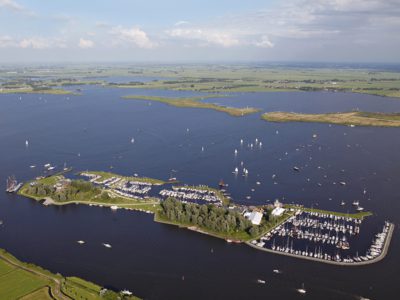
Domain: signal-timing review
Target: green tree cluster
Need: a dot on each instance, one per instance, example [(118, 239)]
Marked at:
[(211, 217)]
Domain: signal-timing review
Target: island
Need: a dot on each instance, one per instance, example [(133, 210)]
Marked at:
[(25, 281), (195, 102), (276, 228), (355, 118)]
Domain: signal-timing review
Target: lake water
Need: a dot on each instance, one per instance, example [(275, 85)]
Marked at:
[(93, 131)]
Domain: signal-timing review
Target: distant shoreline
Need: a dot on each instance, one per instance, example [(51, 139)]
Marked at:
[(345, 118)]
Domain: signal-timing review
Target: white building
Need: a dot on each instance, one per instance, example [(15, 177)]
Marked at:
[(277, 211), (254, 217)]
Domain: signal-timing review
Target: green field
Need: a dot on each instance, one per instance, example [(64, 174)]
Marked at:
[(195, 102), (18, 283), (347, 118), (205, 78)]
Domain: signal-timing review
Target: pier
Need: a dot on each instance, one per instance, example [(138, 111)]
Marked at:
[(376, 259)]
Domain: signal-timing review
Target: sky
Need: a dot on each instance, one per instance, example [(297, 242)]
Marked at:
[(199, 31)]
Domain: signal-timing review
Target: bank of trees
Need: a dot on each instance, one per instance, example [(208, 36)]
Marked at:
[(75, 190), (217, 219)]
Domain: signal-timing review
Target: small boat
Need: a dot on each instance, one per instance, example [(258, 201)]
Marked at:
[(51, 168), (132, 140), (342, 183), (258, 183), (314, 136), (26, 143), (276, 271), (80, 242), (302, 290), (261, 281), (106, 245), (172, 179), (114, 207), (47, 165), (236, 152), (356, 203), (359, 208), (126, 293), (342, 203), (202, 149), (32, 166), (297, 169), (221, 183)]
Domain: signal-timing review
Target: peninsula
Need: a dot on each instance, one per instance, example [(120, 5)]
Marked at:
[(196, 102), (344, 118)]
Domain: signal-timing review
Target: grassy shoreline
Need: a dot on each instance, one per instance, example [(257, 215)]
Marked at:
[(358, 215), (20, 280), (195, 102), (345, 118)]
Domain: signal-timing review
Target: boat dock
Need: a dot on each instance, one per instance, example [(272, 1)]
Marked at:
[(385, 248)]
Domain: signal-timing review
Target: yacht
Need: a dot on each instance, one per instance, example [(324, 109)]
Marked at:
[(302, 290), (261, 281)]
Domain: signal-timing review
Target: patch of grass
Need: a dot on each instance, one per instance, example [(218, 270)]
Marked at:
[(18, 283), (346, 118), (195, 102), (78, 288), (40, 294)]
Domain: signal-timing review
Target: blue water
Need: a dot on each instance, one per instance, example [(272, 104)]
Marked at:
[(93, 131)]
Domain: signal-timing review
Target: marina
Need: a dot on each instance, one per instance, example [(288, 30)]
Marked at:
[(324, 238)]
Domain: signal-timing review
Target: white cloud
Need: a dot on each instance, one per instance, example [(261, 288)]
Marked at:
[(12, 5), (180, 23), (15, 7), (85, 44), (134, 36), (264, 42), (6, 41), (35, 43), (205, 36), (41, 43)]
